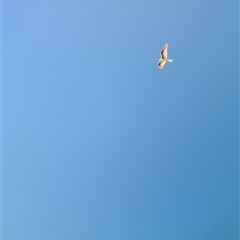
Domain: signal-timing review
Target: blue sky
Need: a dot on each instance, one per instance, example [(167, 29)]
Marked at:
[(98, 143)]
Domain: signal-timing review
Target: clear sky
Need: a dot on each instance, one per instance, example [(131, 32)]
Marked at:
[(98, 143)]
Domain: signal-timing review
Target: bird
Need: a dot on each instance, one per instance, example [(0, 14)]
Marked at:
[(163, 56)]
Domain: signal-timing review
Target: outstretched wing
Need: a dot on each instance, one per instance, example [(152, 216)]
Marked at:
[(161, 64), (164, 51)]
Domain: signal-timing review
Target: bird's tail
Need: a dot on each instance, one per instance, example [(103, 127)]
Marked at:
[(169, 60)]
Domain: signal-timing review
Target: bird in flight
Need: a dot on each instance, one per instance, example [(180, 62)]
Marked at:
[(163, 58)]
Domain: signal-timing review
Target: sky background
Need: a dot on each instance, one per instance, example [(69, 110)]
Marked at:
[(98, 143)]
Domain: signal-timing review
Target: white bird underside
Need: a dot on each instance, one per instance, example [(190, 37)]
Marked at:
[(163, 59)]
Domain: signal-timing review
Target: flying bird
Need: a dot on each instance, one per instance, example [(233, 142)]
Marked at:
[(163, 58)]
